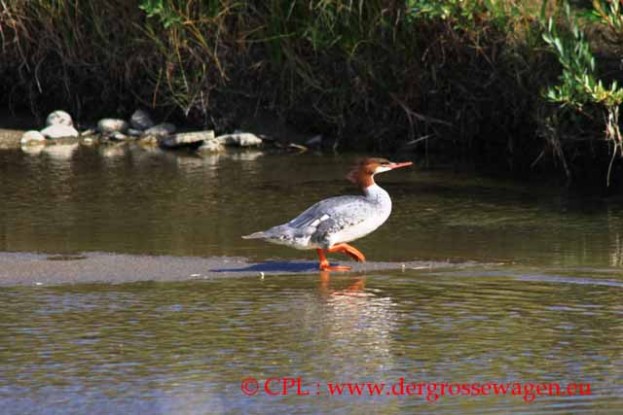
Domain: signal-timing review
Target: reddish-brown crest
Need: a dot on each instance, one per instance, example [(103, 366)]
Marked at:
[(362, 172)]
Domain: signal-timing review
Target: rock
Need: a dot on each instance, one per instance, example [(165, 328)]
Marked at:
[(134, 133), (88, 132), (161, 130), (59, 118), (111, 125), (297, 147), (60, 131), (211, 146), (240, 140), (88, 141), (141, 120), (187, 140), (32, 137), (118, 136), (315, 141)]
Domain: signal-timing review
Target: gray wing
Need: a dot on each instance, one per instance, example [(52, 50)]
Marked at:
[(330, 216)]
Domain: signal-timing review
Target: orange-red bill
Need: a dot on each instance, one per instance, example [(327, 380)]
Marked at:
[(403, 164)]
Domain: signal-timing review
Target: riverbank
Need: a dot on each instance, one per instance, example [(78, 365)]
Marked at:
[(525, 90)]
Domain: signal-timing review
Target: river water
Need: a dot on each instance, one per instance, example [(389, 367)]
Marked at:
[(532, 296)]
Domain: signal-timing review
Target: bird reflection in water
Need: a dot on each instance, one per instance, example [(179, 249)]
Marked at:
[(355, 287), (355, 326)]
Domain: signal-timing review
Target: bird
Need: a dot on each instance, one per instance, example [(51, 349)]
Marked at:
[(330, 224)]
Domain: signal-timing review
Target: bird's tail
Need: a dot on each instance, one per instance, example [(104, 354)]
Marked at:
[(255, 235)]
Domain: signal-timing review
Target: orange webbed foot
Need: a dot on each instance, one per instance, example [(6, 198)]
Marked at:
[(349, 250), (338, 268), (325, 266)]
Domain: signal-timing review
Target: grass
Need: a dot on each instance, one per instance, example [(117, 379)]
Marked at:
[(512, 83)]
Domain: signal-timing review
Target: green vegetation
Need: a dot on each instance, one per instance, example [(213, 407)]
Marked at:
[(525, 85), (579, 86)]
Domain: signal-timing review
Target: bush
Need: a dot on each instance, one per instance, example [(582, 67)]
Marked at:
[(513, 83)]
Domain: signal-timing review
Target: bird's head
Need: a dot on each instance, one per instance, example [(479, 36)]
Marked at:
[(363, 171)]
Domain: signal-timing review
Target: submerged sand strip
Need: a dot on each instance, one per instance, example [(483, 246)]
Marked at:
[(42, 269)]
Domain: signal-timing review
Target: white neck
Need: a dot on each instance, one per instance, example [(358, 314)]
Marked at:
[(376, 192), (379, 198)]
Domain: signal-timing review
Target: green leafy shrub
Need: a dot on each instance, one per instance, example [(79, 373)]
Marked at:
[(579, 86)]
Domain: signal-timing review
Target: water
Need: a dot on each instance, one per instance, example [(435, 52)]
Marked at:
[(112, 199), (537, 301)]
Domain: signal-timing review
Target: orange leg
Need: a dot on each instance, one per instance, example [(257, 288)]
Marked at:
[(349, 250), (324, 263)]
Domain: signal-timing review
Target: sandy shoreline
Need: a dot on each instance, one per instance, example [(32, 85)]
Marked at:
[(99, 267)]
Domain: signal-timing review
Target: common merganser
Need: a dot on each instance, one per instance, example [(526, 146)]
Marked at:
[(328, 225)]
